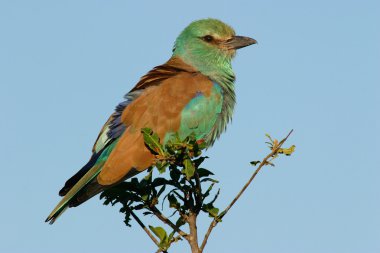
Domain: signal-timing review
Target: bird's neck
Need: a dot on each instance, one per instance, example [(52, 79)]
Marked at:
[(217, 68)]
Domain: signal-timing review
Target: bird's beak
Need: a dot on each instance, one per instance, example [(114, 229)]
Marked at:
[(237, 42)]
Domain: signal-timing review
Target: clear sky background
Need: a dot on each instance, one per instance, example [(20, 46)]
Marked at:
[(64, 65)]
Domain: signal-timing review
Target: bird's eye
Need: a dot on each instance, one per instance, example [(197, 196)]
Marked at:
[(208, 38)]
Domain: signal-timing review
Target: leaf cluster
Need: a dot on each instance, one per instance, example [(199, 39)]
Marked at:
[(178, 185), (274, 145)]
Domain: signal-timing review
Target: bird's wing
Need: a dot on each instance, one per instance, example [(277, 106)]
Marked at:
[(124, 127), (114, 127), (179, 104)]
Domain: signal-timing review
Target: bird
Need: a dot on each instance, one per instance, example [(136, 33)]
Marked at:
[(192, 93)]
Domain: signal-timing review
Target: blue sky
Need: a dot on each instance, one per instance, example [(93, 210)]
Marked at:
[(66, 64)]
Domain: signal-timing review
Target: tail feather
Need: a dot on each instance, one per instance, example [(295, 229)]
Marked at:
[(56, 215), (75, 178), (92, 189), (71, 197), (74, 191)]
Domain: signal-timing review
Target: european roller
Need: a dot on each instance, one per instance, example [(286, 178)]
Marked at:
[(192, 93)]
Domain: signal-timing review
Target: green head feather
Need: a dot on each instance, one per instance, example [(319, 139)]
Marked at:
[(202, 45)]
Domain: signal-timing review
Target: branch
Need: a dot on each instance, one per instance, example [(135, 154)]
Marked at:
[(146, 230), (193, 239), (165, 220), (264, 162)]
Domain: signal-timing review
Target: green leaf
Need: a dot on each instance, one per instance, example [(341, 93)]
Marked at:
[(189, 168), (254, 163), (199, 161), (205, 195), (139, 207), (161, 167), (127, 219), (171, 235), (173, 202), (145, 197), (148, 177), (159, 232), (159, 181), (178, 195), (212, 211), (204, 173), (152, 141), (269, 137), (161, 190), (210, 180), (180, 222), (215, 197), (175, 174), (287, 151)]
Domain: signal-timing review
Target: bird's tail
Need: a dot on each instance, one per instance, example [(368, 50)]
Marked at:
[(79, 192), (74, 191)]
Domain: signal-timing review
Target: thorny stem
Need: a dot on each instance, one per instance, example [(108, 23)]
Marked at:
[(217, 219)]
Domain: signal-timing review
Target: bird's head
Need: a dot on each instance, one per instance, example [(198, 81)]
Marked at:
[(207, 43)]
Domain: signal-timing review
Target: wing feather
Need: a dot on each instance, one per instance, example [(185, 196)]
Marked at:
[(119, 128)]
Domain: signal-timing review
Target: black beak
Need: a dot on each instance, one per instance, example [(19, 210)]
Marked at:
[(237, 42)]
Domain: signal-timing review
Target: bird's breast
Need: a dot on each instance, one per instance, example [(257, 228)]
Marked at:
[(200, 114)]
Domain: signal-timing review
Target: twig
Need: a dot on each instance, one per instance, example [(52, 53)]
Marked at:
[(173, 240), (264, 162), (165, 220), (146, 229)]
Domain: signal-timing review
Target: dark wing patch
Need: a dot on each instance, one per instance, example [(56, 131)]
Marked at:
[(116, 127), (161, 73)]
